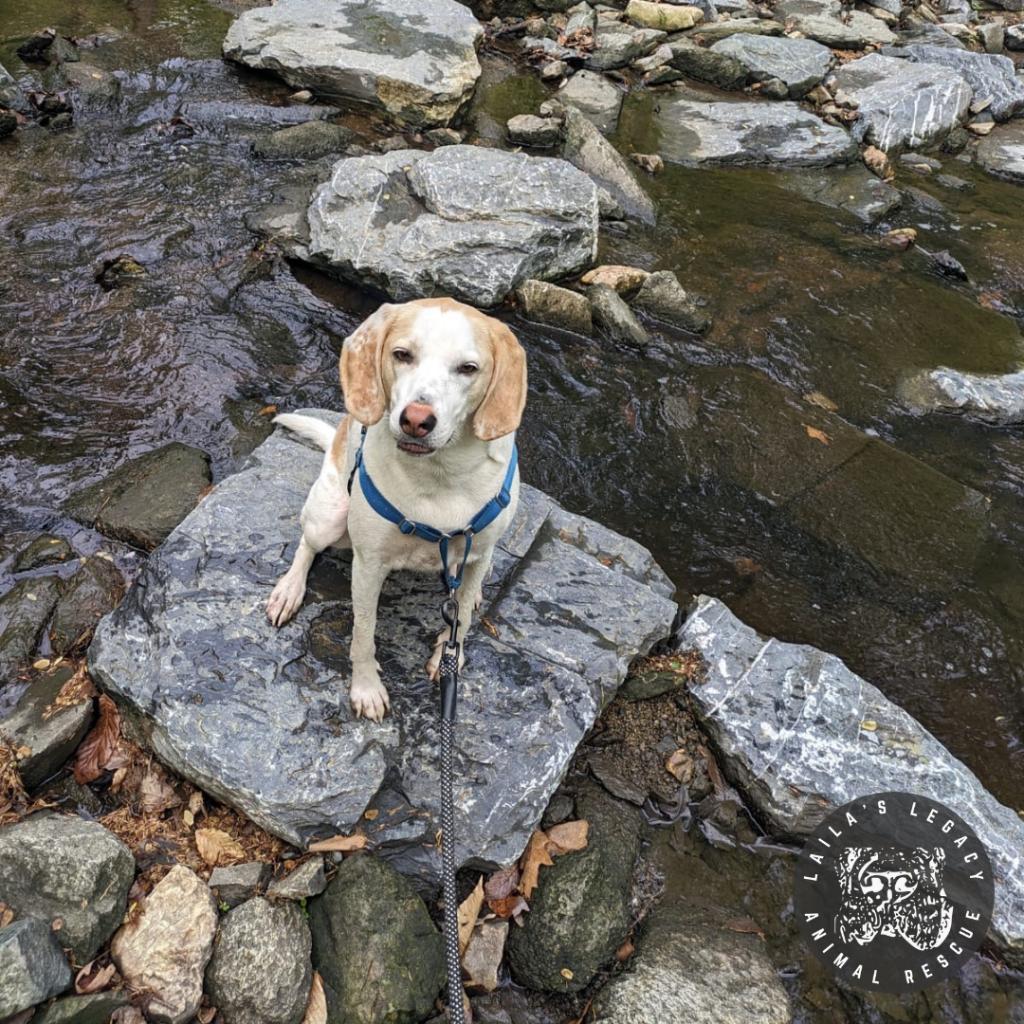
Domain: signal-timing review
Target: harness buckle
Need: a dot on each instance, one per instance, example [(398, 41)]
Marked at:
[(406, 527)]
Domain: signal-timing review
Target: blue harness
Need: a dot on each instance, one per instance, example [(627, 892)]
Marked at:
[(480, 521)]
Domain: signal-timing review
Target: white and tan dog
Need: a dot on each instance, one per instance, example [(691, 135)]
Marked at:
[(441, 388)]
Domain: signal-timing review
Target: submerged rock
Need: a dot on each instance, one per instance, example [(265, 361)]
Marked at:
[(546, 303), (998, 398), (58, 866), (800, 63), (902, 105), (32, 966), (789, 723), (45, 550), (94, 87), (378, 952), (1002, 152), (419, 67), (461, 220), (699, 134), (576, 604), (853, 189), (663, 297), (308, 141)]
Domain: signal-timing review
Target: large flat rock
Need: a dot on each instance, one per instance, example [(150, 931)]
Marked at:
[(901, 104), (699, 134), (260, 718), (1002, 152), (801, 734), (464, 221), (417, 64), (800, 63)]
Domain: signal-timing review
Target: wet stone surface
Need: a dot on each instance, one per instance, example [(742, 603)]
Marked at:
[(260, 717)]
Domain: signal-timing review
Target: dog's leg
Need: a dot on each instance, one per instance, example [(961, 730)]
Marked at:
[(324, 522), (367, 693), (470, 597)]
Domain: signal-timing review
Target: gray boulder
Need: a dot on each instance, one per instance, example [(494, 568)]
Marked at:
[(32, 966), (530, 130), (997, 398), (56, 866), (576, 603), (1002, 152), (50, 739), (991, 77), (419, 67), (800, 63), (10, 94), (614, 317), (305, 882), (595, 97), (853, 189), (377, 951), (260, 971), (902, 105), (663, 297), (546, 303), (247, 115), (580, 910), (236, 883), (710, 65), (788, 722), (699, 134), (826, 22), (91, 1009), (86, 597), (146, 497), (94, 87), (308, 141), (462, 221), (24, 612), (735, 26), (617, 44)]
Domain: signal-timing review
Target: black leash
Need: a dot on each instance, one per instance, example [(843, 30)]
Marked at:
[(449, 673)]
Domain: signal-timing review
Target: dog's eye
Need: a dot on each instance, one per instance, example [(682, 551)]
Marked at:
[(402, 355), (468, 369)]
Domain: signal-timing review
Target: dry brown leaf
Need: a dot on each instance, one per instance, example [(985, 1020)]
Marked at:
[(507, 907), (502, 883), (6, 915), (535, 857), (78, 689), (155, 791), (98, 751), (821, 401), (818, 435), (216, 847), (316, 1007), (568, 837), (469, 910), (625, 951), (339, 844), (268, 410), (372, 814), (89, 979), (680, 766), (744, 925)]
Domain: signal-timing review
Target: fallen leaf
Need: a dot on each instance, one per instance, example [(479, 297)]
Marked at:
[(76, 690), (535, 857), (818, 435), (469, 910), (41, 663), (680, 766), (568, 837), (268, 410), (216, 847), (98, 749), (507, 907), (372, 814), (88, 981), (156, 793), (821, 401), (502, 883), (744, 925), (339, 844), (6, 915), (316, 1007), (625, 951)]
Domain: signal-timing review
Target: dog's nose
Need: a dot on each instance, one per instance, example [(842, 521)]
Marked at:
[(417, 419)]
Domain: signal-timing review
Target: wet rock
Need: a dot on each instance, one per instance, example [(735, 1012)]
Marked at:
[(46, 549), (953, 182), (710, 65), (164, 950), (667, 17), (1002, 152), (24, 612), (32, 966), (90, 1009), (614, 317), (699, 134), (93, 86), (237, 883), (690, 965), (800, 63), (529, 130), (54, 866), (595, 97), (144, 499), (1014, 38), (625, 280), (260, 971), (118, 271), (997, 398), (947, 265), (10, 94), (661, 56), (50, 740), (554, 71), (990, 77), (220, 114), (580, 910), (37, 45), (617, 44), (853, 189), (788, 723), (737, 26), (86, 597), (663, 297), (305, 882), (370, 924), (62, 51), (586, 148), (418, 67), (461, 220), (308, 141), (902, 105), (211, 579), (546, 303)]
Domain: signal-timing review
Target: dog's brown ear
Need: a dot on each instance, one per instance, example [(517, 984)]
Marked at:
[(361, 379), (502, 408)]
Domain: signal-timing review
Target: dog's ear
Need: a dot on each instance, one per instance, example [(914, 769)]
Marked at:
[(360, 366), (502, 408)]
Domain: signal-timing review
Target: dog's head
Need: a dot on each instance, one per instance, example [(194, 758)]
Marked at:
[(433, 367)]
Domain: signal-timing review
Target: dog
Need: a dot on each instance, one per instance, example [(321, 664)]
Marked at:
[(439, 388)]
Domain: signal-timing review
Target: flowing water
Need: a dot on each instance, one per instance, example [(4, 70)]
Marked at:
[(905, 557)]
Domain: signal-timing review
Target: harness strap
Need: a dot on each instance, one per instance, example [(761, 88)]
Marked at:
[(411, 527)]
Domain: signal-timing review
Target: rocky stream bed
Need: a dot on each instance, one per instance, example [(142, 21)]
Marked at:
[(766, 263)]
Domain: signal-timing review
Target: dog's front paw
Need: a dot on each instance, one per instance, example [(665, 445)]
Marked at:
[(369, 697), (433, 665), (285, 599)]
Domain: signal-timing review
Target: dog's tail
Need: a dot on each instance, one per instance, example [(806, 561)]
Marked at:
[(309, 427)]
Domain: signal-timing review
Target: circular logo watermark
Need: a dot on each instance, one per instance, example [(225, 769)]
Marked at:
[(893, 892)]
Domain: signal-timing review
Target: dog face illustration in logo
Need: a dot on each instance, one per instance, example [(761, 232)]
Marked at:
[(892, 892)]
